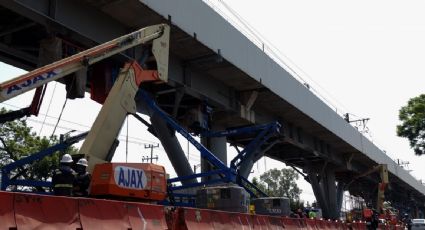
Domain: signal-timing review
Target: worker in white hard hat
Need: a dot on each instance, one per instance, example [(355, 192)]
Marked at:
[(63, 178), (82, 180)]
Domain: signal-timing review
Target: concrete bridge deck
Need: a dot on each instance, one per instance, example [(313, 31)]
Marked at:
[(211, 59)]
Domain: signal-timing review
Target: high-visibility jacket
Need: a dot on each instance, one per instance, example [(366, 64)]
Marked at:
[(63, 181)]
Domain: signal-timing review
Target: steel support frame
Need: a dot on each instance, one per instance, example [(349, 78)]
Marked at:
[(5, 170), (227, 174), (243, 161)]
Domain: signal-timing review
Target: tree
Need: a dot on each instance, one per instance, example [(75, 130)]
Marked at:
[(412, 127), (278, 183), (17, 140)]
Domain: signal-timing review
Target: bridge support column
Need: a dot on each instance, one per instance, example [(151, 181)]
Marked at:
[(172, 147), (218, 146), (325, 190), (339, 195)]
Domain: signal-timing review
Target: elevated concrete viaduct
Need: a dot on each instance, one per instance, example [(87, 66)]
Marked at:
[(212, 61)]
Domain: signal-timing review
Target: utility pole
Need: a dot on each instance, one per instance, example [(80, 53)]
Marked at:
[(401, 163), (196, 167), (150, 146)]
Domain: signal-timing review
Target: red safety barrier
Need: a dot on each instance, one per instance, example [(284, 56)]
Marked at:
[(221, 220), (7, 214), (197, 219), (45, 212), (339, 225), (311, 224), (103, 214), (294, 223), (354, 226), (241, 220), (320, 224), (358, 226), (146, 216), (362, 226), (259, 222), (276, 223), (329, 225)]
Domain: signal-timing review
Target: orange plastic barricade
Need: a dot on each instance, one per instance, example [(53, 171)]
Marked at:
[(146, 216), (197, 219), (339, 225), (241, 221), (259, 222), (46, 212), (358, 226), (329, 225), (276, 223), (221, 220), (361, 226), (311, 224), (103, 214), (292, 223), (7, 215), (321, 224)]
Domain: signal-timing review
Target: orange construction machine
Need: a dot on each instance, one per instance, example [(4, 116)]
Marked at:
[(129, 180), (134, 181)]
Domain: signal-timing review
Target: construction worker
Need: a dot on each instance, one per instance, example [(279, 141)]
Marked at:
[(63, 177), (82, 180), (312, 214), (407, 221)]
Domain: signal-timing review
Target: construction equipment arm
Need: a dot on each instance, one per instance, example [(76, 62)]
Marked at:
[(383, 173), (66, 66), (121, 101)]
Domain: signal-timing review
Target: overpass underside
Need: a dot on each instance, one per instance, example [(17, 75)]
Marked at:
[(198, 74)]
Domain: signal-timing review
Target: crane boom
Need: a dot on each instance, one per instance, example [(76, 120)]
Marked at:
[(66, 66)]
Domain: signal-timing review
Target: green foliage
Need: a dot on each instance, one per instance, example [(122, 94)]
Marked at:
[(278, 183), (412, 127), (17, 140)]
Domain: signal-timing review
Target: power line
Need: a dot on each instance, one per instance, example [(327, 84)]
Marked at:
[(147, 158), (71, 122), (264, 41), (50, 103), (60, 115)]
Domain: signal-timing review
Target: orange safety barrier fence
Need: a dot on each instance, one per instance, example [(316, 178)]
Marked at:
[(340, 225), (362, 226), (197, 219), (259, 222), (358, 226), (320, 224), (310, 224), (7, 214), (276, 223), (146, 216), (241, 220), (293, 223), (221, 220), (334, 225), (45, 212), (103, 214), (31, 211), (329, 224)]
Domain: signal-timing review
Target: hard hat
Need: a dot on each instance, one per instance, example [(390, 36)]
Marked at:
[(66, 159), (82, 162)]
